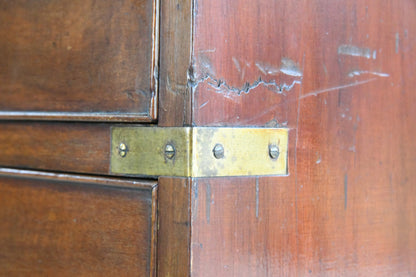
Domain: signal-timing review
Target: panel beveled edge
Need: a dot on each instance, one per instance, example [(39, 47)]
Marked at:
[(77, 178)]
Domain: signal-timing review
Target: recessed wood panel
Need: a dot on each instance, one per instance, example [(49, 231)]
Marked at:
[(78, 60), (65, 225), (68, 147)]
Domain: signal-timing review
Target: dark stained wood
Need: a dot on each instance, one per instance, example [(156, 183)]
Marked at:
[(64, 225), (78, 60), (154, 230), (70, 147), (174, 227), (175, 61), (174, 194), (339, 74)]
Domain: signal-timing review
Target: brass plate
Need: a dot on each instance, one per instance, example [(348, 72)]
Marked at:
[(145, 155), (140, 151)]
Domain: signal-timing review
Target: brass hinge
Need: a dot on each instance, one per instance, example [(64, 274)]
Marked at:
[(198, 151)]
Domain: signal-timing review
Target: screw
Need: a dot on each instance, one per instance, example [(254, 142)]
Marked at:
[(273, 151), (218, 151), (169, 151), (122, 150)]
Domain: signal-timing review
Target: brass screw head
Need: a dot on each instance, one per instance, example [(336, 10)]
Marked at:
[(122, 150), (274, 151), (169, 151), (218, 151)]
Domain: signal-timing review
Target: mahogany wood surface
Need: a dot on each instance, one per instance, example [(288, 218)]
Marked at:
[(79, 60), (173, 255), (174, 227), (67, 225), (175, 60), (340, 76), (174, 194), (52, 146)]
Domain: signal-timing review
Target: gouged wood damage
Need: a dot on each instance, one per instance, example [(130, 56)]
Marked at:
[(231, 79), (202, 71), (206, 74)]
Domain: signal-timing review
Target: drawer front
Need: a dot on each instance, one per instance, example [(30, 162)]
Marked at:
[(56, 146), (64, 225), (78, 60)]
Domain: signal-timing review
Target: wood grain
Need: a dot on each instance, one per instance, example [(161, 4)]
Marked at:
[(79, 60), (70, 225), (243, 227), (175, 61), (68, 147), (340, 76), (174, 227), (174, 194)]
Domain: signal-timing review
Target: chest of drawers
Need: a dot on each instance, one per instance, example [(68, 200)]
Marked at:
[(337, 75)]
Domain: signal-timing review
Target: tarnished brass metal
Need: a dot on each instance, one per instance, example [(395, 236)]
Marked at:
[(245, 151), (199, 151), (148, 153)]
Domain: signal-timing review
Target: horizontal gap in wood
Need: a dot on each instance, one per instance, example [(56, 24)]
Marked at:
[(76, 178), (77, 116)]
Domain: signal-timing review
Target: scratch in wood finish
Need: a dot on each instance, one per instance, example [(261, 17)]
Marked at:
[(204, 104), (237, 64), (313, 93), (267, 69), (288, 67), (361, 72), (355, 51), (317, 92)]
